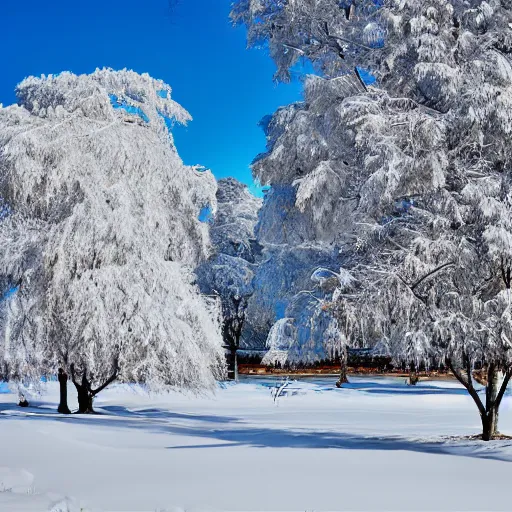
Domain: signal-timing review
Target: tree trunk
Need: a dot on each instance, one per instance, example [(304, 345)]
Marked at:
[(413, 376), (84, 398), (490, 418), (85, 392), (63, 384), (343, 368), (84, 401), (497, 383), (232, 364), (235, 357), (490, 424)]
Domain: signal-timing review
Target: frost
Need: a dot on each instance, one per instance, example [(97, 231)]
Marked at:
[(281, 339), (104, 235), (344, 279), (408, 180), (228, 274)]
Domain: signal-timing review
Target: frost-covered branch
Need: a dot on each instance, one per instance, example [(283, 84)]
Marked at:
[(105, 232), (431, 274), (467, 383)]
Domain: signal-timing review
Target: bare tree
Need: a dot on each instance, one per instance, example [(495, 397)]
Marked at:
[(234, 316)]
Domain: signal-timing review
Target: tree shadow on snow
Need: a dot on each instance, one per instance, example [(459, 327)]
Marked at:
[(278, 438), (162, 414), (387, 388), (218, 432), (107, 415)]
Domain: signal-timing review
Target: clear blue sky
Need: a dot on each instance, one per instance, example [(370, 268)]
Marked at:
[(196, 50)]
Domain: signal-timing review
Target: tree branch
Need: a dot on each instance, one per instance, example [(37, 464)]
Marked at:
[(468, 372), (426, 276), (503, 388), (286, 45), (505, 274), (111, 379), (490, 377), (419, 297), (73, 379), (333, 39), (360, 78), (455, 372), (468, 386), (349, 41)]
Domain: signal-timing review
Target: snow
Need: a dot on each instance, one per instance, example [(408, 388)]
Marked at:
[(104, 235), (375, 445), (425, 150)]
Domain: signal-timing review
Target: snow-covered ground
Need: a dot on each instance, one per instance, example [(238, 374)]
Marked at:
[(375, 445)]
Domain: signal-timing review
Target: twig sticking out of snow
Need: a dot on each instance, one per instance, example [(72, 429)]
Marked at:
[(276, 392)]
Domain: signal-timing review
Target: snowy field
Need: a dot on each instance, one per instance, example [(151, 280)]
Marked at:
[(375, 445)]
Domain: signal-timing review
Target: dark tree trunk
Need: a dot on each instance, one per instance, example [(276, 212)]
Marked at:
[(495, 389), (23, 402), (490, 424), (85, 396), (232, 364), (343, 368), (413, 376), (63, 384), (84, 400), (234, 319), (490, 418), (85, 392)]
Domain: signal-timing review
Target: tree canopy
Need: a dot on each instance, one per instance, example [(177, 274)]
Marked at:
[(411, 176), (103, 234)]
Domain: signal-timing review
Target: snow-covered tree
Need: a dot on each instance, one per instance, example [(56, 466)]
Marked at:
[(232, 230), (411, 176), (332, 34), (301, 217), (306, 221), (229, 272), (446, 155), (103, 235)]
